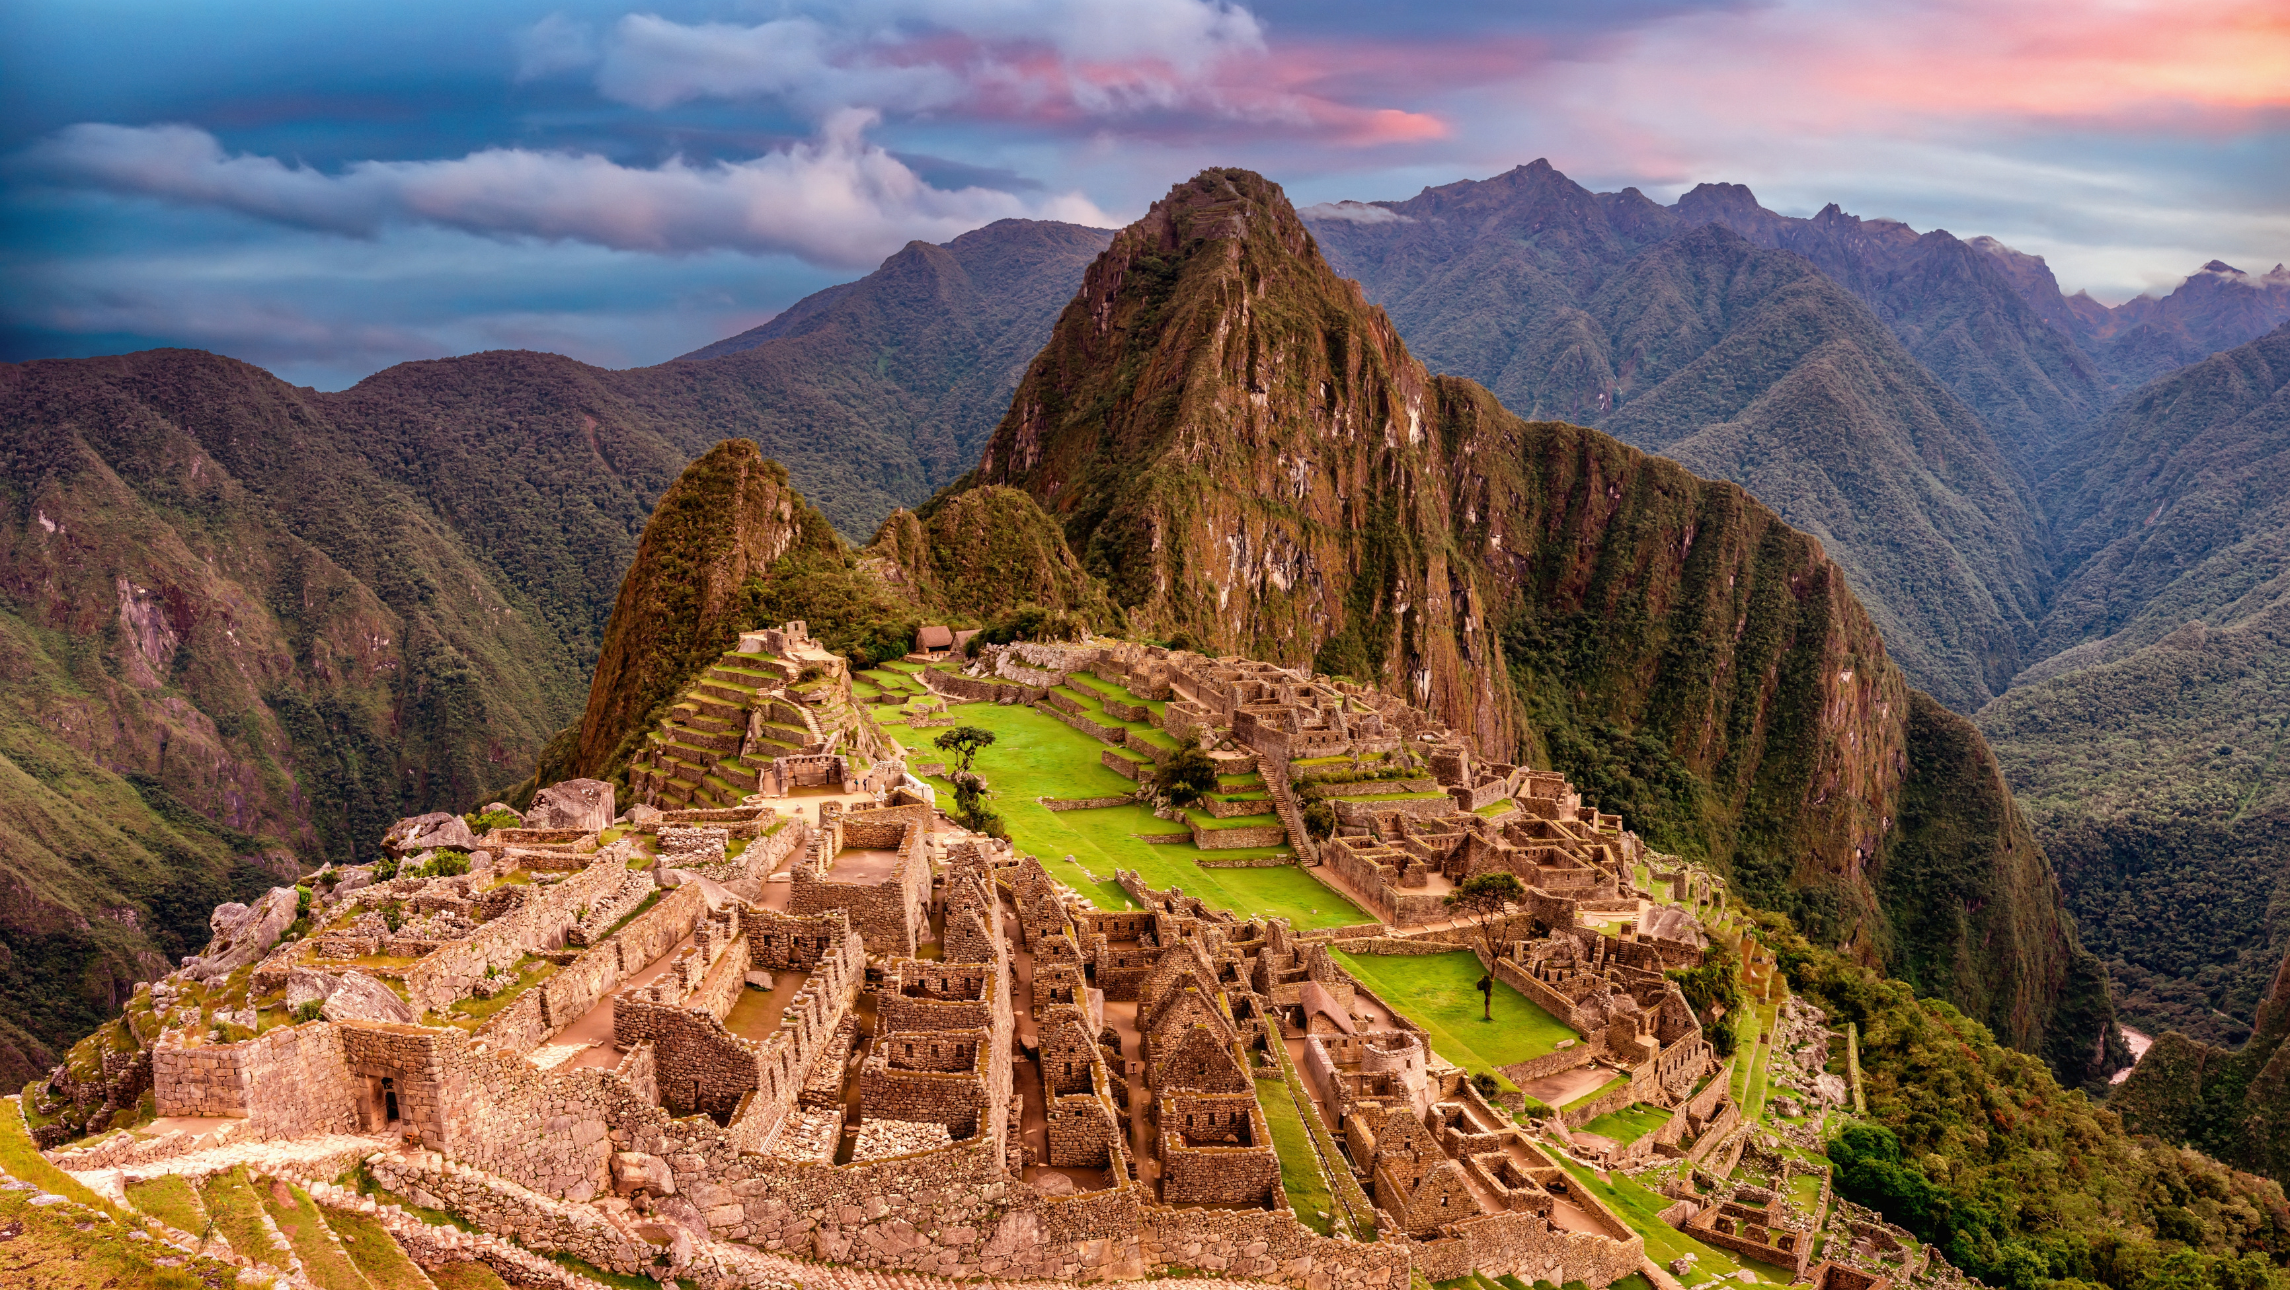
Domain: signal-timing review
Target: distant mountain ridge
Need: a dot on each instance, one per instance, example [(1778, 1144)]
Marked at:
[(2147, 738), (1751, 364)]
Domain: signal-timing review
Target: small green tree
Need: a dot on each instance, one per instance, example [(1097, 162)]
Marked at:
[(1481, 898), (1189, 775), (964, 742)]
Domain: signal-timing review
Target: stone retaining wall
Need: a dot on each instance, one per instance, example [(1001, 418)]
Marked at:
[(1084, 803), (447, 973), (1253, 862), (1310, 790), (1525, 1245), (1118, 764), (1353, 811), (1262, 835), (1102, 733)]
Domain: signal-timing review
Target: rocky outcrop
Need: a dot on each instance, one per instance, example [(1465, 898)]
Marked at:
[(418, 833), (584, 804), (980, 552), (351, 996), (243, 934)]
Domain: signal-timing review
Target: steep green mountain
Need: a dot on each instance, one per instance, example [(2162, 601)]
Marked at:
[(1672, 329), (726, 520), (2147, 744), (1959, 307), (2216, 308), (234, 647), (1243, 449), (248, 625)]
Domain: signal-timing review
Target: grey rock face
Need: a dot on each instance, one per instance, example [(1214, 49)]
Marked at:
[(243, 934), (425, 832), (358, 997), (572, 804)]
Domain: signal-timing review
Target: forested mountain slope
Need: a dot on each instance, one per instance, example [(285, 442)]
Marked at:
[(1242, 447), (1673, 330), (2147, 745)]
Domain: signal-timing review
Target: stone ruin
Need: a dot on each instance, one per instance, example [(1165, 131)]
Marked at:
[(871, 1037)]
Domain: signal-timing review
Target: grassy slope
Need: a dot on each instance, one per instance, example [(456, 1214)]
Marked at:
[(1300, 1174), (47, 1247)]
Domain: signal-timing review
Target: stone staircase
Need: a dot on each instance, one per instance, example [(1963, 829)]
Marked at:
[(1274, 772)]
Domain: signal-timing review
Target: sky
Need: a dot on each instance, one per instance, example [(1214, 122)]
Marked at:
[(329, 189)]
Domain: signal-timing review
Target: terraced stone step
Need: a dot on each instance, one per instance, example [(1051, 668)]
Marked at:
[(715, 741)]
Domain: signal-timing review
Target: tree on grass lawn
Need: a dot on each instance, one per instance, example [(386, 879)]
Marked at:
[(1481, 899), (964, 742), (1188, 776)]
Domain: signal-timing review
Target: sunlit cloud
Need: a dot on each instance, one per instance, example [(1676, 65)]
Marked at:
[(1149, 66), (839, 200)]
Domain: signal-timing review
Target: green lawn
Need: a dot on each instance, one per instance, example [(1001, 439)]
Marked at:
[(23, 1159), (1036, 755), (1628, 1124), (1637, 1207), (467, 1276), (230, 1201), (1440, 992), (1602, 1090), (1300, 1173)]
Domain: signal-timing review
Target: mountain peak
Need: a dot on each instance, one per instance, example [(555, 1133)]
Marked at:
[(1707, 203)]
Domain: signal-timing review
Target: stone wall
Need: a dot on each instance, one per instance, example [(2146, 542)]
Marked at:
[(1217, 1150), (199, 1079), (1525, 1245), (1263, 835), (446, 974), (939, 1076), (1351, 811), (1118, 764), (1084, 803), (286, 1083), (1263, 1245)]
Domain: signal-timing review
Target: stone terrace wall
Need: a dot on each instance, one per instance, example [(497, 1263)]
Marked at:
[(1527, 1246), (447, 973), (202, 1079), (1263, 835), (1269, 1245)]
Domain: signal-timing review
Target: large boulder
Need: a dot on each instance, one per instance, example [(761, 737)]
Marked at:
[(305, 986), (243, 934), (584, 804), (426, 832), (634, 1171), (358, 997)]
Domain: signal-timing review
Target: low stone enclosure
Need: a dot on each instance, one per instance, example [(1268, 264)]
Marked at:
[(880, 1040)]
